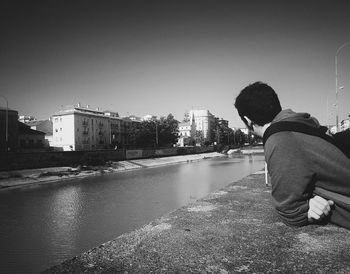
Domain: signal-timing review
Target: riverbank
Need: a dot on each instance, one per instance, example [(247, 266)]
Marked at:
[(31, 177), (233, 230)]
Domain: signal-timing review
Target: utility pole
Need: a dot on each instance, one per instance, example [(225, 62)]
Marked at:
[(336, 86)]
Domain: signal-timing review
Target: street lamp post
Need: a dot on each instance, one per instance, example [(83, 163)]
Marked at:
[(336, 85), (156, 134), (7, 122)]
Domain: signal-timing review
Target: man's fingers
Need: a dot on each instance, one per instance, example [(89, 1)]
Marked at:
[(317, 211), (321, 202), (313, 215)]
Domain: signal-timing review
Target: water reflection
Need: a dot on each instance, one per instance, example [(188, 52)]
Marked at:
[(45, 225), (64, 217)]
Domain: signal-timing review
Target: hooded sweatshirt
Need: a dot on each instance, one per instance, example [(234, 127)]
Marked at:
[(302, 166)]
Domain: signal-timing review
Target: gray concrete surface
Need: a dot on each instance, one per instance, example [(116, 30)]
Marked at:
[(234, 230)]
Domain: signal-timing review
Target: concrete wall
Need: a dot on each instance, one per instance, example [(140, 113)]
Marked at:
[(28, 160)]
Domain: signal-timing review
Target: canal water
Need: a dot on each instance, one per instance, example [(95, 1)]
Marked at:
[(43, 225)]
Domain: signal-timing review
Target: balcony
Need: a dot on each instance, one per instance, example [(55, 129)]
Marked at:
[(85, 123)]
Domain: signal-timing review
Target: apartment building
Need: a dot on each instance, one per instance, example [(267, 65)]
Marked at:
[(345, 124), (204, 122), (187, 132), (81, 128)]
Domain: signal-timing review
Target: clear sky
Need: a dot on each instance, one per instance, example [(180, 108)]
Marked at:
[(161, 57)]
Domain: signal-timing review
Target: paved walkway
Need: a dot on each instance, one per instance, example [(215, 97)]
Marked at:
[(234, 230)]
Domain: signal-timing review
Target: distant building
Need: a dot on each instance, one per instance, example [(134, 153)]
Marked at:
[(222, 122), (149, 117), (30, 139), (186, 129), (80, 128), (345, 124), (187, 133), (196, 120), (134, 118), (12, 129), (43, 126), (204, 122), (26, 118)]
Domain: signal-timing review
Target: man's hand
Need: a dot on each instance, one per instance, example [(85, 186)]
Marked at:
[(318, 208)]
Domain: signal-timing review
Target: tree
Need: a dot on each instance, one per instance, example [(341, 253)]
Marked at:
[(155, 133), (168, 131), (221, 132), (239, 137), (199, 137)]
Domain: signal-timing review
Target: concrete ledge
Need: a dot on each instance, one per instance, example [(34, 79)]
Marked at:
[(234, 230)]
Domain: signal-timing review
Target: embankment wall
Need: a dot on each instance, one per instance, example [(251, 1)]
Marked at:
[(29, 160)]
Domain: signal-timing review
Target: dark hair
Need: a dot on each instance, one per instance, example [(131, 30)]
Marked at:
[(259, 102)]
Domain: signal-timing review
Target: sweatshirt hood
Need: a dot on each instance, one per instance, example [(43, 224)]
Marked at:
[(301, 117)]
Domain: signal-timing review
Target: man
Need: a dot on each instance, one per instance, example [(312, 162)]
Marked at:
[(310, 177)]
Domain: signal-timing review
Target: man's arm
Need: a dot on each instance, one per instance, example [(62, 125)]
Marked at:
[(292, 177)]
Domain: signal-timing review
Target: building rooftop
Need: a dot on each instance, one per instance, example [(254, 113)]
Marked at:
[(24, 129), (182, 124), (41, 125)]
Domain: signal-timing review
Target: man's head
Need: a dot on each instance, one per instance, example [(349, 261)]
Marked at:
[(259, 103)]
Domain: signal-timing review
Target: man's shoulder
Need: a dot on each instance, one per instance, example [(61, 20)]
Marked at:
[(282, 143), (281, 138), (291, 144)]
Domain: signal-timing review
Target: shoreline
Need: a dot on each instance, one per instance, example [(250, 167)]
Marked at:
[(35, 177)]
